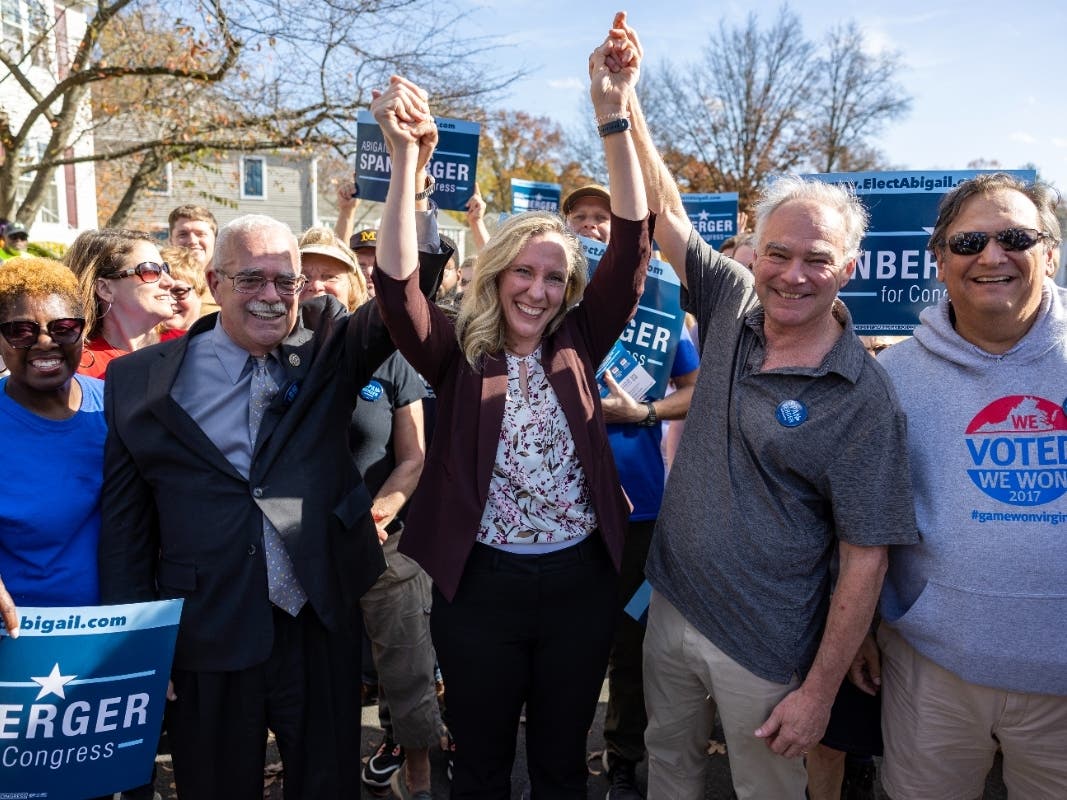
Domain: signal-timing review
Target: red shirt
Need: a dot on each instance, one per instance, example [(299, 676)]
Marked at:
[(98, 353)]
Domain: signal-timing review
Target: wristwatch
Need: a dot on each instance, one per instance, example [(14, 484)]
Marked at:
[(651, 418), (615, 126), (428, 190)]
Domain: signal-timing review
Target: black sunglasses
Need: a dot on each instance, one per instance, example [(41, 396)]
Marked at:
[(147, 271), (24, 333), (180, 292), (1012, 240)]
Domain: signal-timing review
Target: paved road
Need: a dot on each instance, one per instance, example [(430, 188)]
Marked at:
[(718, 785)]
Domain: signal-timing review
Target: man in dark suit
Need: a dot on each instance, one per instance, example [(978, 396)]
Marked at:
[(229, 483)]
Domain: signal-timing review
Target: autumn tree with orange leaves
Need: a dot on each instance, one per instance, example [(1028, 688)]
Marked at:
[(201, 77)]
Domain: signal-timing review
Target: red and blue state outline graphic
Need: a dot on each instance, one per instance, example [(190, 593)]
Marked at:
[(1018, 448)]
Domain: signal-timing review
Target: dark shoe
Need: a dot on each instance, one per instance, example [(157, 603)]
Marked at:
[(623, 778), (859, 779), (380, 767)]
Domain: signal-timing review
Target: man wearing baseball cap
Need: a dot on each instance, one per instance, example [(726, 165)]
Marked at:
[(587, 211), (14, 240)]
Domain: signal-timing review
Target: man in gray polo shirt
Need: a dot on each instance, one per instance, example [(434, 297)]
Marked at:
[(795, 446)]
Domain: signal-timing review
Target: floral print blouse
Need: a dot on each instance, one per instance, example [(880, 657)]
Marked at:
[(538, 493)]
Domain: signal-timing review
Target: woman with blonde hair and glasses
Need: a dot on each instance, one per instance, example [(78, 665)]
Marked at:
[(519, 517), (126, 285)]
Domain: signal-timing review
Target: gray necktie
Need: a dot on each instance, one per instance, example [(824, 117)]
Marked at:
[(283, 588)]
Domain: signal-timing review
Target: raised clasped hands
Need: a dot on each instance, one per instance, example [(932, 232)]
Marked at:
[(614, 66), (403, 112)]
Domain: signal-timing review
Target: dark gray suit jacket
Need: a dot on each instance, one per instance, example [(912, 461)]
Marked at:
[(180, 521)]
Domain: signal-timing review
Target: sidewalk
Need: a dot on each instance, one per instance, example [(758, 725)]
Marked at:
[(718, 786)]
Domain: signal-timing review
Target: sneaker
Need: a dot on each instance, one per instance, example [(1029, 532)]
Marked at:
[(387, 759), (623, 778)]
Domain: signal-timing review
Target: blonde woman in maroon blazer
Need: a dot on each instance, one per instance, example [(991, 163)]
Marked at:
[(519, 516)]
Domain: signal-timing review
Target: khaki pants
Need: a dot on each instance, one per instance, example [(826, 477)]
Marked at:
[(396, 615), (941, 732), (686, 679)]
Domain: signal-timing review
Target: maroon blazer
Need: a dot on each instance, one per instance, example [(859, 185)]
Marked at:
[(446, 508)]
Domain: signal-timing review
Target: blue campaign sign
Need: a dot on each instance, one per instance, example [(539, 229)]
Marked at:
[(896, 276), (453, 166), (652, 335), (534, 196), (82, 692), (714, 216)]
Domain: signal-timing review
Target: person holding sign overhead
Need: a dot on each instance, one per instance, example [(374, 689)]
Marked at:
[(788, 410), (519, 518)]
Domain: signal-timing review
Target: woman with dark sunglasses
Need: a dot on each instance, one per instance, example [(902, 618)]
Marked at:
[(127, 289), (51, 423)]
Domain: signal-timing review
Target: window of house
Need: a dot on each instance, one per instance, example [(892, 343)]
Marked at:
[(33, 153), (161, 183), (253, 178), (11, 26), (25, 27)]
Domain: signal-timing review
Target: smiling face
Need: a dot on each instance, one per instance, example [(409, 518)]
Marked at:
[(45, 368), (325, 276), (531, 291), (590, 217), (196, 234), (257, 322), (187, 305), (801, 266), (995, 294), (135, 306)]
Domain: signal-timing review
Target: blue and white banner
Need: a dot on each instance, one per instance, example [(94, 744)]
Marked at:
[(82, 692), (534, 196), (652, 335), (453, 166), (714, 216), (896, 276)]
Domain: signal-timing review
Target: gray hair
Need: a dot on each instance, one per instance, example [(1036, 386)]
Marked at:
[(243, 226), (839, 197)]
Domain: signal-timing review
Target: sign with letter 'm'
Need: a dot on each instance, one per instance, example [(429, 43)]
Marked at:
[(81, 698)]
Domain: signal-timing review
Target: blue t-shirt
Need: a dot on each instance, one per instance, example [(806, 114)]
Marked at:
[(50, 500), (637, 449)]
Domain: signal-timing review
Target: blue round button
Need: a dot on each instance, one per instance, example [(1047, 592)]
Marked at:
[(791, 413), (372, 391)]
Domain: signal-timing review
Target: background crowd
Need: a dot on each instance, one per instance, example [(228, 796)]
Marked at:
[(347, 441)]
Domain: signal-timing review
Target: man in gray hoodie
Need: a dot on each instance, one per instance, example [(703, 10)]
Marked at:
[(974, 656)]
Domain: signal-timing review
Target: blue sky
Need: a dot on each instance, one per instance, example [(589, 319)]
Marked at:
[(987, 78)]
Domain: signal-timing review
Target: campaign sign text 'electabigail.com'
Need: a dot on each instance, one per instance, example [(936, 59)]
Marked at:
[(82, 691)]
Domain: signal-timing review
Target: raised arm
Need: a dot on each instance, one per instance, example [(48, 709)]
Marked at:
[(476, 219), (613, 71), (410, 135), (672, 224)]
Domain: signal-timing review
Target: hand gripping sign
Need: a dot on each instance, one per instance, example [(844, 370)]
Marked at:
[(453, 165)]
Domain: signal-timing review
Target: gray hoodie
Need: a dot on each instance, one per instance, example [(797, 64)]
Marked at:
[(984, 592)]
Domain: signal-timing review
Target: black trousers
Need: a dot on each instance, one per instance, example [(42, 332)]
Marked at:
[(625, 721), (307, 692), (533, 630)]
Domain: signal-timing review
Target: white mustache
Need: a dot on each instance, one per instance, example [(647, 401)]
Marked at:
[(259, 307)]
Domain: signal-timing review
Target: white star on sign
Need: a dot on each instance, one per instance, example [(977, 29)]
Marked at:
[(53, 683), (703, 215)]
